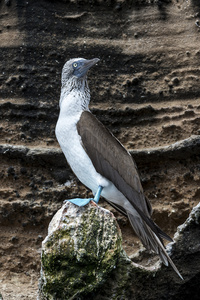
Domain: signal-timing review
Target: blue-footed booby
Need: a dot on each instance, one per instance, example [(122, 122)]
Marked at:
[(100, 161)]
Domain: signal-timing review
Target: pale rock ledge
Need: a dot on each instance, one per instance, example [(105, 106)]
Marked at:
[(83, 259)]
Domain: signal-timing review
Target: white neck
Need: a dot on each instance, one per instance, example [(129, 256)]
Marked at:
[(75, 96)]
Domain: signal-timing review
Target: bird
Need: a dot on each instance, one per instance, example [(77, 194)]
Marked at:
[(100, 161)]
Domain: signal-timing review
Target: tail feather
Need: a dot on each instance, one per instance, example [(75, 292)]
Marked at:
[(164, 253), (151, 240)]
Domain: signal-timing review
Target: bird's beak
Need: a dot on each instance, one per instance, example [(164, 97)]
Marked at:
[(88, 63)]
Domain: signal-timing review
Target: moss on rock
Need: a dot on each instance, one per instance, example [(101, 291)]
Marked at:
[(82, 248), (82, 258)]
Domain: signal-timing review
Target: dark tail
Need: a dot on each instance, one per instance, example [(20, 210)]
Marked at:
[(151, 240)]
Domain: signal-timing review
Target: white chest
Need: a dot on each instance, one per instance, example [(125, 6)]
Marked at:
[(80, 163)]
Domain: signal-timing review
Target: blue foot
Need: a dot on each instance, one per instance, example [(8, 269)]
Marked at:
[(80, 201), (83, 202)]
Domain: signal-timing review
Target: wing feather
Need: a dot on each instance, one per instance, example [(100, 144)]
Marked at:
[(111, 159), (115, 163)]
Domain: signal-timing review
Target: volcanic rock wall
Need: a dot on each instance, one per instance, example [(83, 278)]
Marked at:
[(145, 89)]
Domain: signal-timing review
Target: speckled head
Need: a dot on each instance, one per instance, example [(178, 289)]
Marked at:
[(77, 68)]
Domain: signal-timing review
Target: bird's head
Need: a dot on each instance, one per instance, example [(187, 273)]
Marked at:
[(77, 68)]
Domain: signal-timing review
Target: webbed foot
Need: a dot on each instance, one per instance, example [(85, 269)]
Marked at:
[(83, 202)]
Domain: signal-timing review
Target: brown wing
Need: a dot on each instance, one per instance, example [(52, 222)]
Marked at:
[(110, 158), (114, 162)]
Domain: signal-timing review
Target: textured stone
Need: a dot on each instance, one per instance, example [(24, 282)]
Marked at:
[(82, 258), (83, 246)]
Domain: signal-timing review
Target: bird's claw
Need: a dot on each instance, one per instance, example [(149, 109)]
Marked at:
[(79, 201), (83, 202)]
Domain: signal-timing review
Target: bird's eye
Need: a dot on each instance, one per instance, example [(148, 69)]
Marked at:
[(75, 65)]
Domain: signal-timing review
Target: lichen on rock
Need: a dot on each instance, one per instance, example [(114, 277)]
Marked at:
[(83, 258), (82, 247)]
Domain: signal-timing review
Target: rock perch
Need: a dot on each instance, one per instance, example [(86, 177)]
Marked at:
[(82, 248), (83, 258)]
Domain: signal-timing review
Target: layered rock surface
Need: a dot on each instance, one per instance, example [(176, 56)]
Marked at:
[(145, 90)]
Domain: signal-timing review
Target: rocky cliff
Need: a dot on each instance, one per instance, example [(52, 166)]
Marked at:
[(145, 90)]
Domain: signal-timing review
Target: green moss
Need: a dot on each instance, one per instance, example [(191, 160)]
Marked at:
[(78, 259), (67, 277)]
